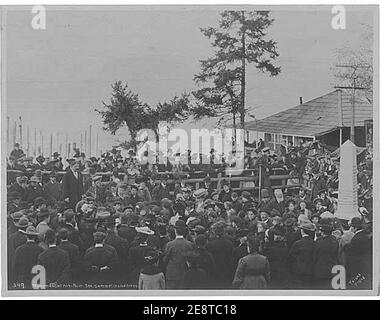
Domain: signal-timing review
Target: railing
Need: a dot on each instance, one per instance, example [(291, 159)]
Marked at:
[(240, 180)]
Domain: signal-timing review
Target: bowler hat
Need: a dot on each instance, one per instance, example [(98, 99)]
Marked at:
[(22, 223), (356, 222), (246, 194), (180, 224), (68, 213)]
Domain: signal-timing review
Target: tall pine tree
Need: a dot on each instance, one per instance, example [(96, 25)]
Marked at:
[(239, 40)]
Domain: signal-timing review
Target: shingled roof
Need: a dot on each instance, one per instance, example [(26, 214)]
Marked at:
[(315, 117)]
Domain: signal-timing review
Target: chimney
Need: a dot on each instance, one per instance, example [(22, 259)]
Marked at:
[(300, 100)]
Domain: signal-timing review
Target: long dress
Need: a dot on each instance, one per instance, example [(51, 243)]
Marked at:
[(252, 272)]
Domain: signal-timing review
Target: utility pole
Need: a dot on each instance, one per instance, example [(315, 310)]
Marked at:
[(353, 87), (20, 127), (27, 141), (8, 134), (89, 142)]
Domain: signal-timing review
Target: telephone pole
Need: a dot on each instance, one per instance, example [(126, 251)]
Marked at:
[(353, 87)]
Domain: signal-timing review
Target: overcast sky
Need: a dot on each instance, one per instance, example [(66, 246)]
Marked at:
[(58, 76)]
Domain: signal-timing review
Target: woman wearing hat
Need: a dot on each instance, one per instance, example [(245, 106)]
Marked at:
[(151, 276), (325, 256), (253, 271)]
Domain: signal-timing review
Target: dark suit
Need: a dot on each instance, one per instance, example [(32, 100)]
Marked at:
[(175, 262), (57, 265), (301, 262), (97, 258), (277, 253), (72, 188), (75, 259), (359, 261), (221, 250), (15, 240), (325, 257), (74, 237), (25, 258), (121, 247)]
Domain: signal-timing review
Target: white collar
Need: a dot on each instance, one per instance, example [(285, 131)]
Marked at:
[(98, 245), (52, 245), (179, 237)]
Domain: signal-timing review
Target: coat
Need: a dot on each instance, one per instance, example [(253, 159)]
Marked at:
[(325, 257), (301, 261), (221, 250), (72, 188), (359, 260), (159, 192), (173, 259), (54, 190), (25, 258), (195, 278), (57, 265), (253, 272), (95, 259), (75, 258), (277, 253), (15, 240)]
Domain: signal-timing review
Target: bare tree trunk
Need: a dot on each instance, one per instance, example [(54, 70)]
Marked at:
[(242, 93)]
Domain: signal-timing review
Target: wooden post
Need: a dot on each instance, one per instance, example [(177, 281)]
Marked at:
[(89, 142), (14, 133), (66, 147), (42, 143), (27, 141), (35, 142), (81, 142), (20, 127), (51, 145), (97, 144), (260, 182), (85, 143)]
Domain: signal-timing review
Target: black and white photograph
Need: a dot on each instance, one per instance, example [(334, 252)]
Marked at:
[(189, 149)]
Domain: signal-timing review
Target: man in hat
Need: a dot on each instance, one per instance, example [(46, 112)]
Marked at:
[(43, 217), (121, 246), (72, 185), (55, 261), (359, 257), (325, 256), (20, 186), (302, 196), (34, 190), (173, 259), (354, 225), (76, 263), (265, 200), (17, 151), (134, 197), (26, 257), (221, 250), (70, 224), (301, 258), (54, 188), (207, 186), (225, 194), (100, 261), (40, 163), (15, 240), (161, 190)]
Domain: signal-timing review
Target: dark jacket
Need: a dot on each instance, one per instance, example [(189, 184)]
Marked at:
[(57, 265), (277, 253), (195, 278), (221, 250), (301, 257), (359, 260), (173, 259), (25, 258), (72, 188), (95, 259), (325, 257), (75, 258)]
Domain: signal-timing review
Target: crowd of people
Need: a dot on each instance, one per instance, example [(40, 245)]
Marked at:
[(116, 222)]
